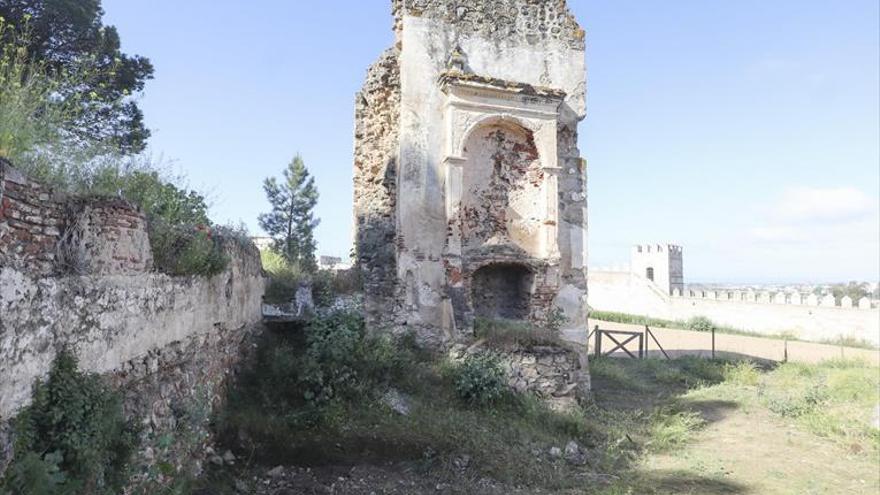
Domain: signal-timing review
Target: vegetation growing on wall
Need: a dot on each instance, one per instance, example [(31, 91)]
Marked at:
[(57, 137), (73, 438)]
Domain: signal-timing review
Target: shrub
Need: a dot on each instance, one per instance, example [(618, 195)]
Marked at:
[(342, 361), (480, 379), (184, 250), (700, 324), (73, 438), (284, 277)]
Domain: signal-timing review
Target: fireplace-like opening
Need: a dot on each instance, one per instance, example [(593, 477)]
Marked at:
[(502, 291)]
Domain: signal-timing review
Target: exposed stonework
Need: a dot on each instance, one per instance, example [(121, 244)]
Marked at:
[(44, 232), (557, 374), (105, 236), (530, 20), (173, 390), (168, 341), (32, 218), (466, 156), (375, 185)]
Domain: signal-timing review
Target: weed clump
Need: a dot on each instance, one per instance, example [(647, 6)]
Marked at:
[(480, 379), (700, 324)]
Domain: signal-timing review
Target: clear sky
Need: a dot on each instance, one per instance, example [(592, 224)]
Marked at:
[(746, 131)]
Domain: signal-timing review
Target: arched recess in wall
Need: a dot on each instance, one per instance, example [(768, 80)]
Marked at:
[(502, 186), (649, 273)]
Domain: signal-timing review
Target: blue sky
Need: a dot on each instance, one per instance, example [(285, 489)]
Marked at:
[(747, 131)]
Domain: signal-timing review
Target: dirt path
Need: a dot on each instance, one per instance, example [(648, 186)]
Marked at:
[(752, 451)]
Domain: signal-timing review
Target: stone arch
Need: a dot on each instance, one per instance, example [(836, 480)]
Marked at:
[(500, 120)]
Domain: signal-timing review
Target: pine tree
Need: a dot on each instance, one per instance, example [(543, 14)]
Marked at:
[(291, 223)]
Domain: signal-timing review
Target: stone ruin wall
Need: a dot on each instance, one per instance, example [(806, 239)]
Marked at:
[(75, 272), (532, 20), (377, 111), (528, 41)]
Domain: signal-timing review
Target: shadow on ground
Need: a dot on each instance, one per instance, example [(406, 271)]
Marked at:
[(682, 482)]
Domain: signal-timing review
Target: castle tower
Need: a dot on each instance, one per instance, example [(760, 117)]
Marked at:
[(659, 263), (470, 193)]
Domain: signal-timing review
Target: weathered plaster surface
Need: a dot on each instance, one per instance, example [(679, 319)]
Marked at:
[(111, 320), (75, 273), (484, 166)]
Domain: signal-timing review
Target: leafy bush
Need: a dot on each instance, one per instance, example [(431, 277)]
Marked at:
[(284, 277), (342, 361), (480, 379), (73, 438), (183, 250), (329, 284), (700, 324)]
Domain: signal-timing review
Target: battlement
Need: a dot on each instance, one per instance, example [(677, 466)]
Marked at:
[(773, 298), (657, 248)]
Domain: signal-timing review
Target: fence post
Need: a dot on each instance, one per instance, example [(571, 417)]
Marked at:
[(713, 342), (598, 345)]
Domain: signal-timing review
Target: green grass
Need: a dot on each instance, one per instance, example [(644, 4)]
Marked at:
[(641, 408), (508, 333)]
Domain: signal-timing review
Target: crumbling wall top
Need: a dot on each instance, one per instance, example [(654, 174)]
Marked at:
[(531, 20)]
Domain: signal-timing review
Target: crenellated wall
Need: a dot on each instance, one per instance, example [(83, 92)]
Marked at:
[(806, 316)]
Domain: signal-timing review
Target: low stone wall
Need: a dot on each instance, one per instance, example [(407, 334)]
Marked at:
[(76, 273), (557, 374)]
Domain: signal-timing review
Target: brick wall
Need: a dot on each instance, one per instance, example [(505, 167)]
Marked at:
[(44, 232), (32, 218)]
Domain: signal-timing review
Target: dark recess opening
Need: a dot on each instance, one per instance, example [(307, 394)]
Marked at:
[(502, 291)]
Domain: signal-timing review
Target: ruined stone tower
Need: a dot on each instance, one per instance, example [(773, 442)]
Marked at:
[(470, 193)]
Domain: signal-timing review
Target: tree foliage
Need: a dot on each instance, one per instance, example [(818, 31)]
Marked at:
[(291, 223), (29, 116), (69, 37)]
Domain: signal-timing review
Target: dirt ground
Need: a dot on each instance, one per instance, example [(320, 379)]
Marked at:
[(752, 451)]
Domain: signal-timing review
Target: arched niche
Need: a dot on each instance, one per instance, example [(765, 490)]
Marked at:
[(502, 196)]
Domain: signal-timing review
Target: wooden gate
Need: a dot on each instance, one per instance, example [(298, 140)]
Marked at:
[(625, 337)]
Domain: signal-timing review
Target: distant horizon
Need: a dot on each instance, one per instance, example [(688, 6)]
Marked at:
[(757, 152)]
